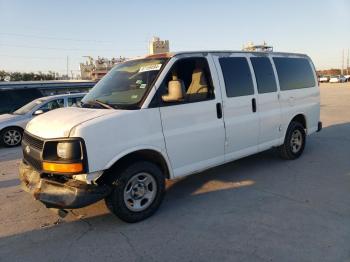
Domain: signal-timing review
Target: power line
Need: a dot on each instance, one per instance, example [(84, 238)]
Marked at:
[(53, 48), (67, 49), (33, 57), (56, 38), (65, 38)]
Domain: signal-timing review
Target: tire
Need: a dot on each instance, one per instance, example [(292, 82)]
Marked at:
[(11, 136), (137, 192), (294, 142)]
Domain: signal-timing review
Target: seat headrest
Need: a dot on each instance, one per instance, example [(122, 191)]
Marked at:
[(198, 77), (175, 91)]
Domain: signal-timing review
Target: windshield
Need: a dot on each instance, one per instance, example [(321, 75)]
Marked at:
[(125, 85), (28, 107)]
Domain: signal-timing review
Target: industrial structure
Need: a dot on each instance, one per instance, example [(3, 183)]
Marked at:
[(157, 46), (257, 48), (95, 69)]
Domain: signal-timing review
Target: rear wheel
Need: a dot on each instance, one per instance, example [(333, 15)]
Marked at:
[(11, 136), (137, 192), (294, 142)]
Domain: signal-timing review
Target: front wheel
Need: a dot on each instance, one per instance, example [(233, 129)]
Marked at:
[(11, 136), (137, 192), (294, 142)]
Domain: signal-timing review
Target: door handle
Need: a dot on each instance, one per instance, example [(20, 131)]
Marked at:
[(254, 105), (219, 110)]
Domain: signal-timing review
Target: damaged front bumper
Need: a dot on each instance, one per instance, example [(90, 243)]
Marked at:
[(60, 194)]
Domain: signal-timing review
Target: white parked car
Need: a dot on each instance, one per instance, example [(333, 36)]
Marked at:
[(347, 77), (167, 116), (12, 125), (323, 79), (337, 79)]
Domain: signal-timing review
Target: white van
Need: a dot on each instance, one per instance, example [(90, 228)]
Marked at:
[(167, 116)]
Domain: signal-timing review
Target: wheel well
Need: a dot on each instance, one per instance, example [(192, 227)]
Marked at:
[(140, 155), (301, 119)]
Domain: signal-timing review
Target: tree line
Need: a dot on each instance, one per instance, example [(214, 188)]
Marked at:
[(19, 76), (332, 71)]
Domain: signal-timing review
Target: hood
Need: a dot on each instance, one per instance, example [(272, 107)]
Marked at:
[(59, 122)]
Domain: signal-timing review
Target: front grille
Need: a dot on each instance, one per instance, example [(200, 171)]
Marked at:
[(32, 149), (32, 161), (33, 141)]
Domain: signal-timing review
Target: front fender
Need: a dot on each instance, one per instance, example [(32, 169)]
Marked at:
[(139, 148)]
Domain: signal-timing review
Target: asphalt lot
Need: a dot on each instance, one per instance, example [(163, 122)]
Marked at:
[(259, 208)]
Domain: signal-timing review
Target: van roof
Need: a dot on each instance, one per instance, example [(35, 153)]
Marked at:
[(172, 54)]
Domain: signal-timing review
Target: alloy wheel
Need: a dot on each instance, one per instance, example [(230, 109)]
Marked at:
[(12, 137)]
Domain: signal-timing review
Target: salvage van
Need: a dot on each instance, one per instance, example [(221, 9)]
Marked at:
[(167, 116)]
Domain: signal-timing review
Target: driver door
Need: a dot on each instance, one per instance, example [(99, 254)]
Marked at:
[(193, 125)]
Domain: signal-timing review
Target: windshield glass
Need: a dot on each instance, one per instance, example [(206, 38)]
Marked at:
[(28, 107), (126, 84)]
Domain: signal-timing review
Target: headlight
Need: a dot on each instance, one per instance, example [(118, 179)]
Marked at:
[(69, 150), (64, 157)]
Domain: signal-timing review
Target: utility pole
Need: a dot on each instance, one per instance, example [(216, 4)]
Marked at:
[(68, 67), (347, 64), (342, 63)]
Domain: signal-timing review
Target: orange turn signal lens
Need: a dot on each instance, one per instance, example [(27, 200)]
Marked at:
[(63, 168)]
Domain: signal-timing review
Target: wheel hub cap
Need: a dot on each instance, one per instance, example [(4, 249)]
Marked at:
[(296, 141), (12, 137), (140, 192)]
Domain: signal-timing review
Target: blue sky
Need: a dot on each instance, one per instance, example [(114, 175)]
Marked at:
[(39, 35)]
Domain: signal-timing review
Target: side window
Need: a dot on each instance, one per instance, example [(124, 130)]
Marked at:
[(189, 80), (74, 101), (264, 75), (294, 73), (237, 76), (52, 105)]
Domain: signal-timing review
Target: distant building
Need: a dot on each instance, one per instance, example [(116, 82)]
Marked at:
[(257, 48), (96, 69), (157, 46)]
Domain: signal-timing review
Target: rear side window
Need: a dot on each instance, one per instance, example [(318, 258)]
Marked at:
[(294, 73), (265, 78), (74, 101), (237, 76)]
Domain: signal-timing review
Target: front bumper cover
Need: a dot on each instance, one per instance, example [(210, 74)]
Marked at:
[(70, 194)]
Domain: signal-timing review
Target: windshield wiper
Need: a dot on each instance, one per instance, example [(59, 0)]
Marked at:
[(104, 104), (99, 103)]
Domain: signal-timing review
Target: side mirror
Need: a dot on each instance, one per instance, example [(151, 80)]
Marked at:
[(38, 112)]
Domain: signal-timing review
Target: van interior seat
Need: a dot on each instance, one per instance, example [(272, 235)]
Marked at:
[(198, 89), (176, 90)]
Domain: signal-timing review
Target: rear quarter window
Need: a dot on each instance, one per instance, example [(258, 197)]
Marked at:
[(294, 73)]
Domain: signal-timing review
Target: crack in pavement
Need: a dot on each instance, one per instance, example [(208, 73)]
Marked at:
[(139, 257)]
